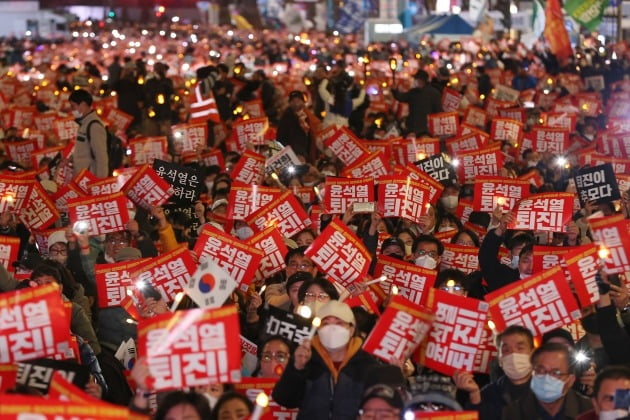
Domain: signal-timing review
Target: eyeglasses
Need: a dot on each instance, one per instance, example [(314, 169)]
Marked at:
[(279, 357), (379, 413), (321, 297), (118, 242), (422, 252), (58, 251), (556, 373), (301, 266), (455, 288)]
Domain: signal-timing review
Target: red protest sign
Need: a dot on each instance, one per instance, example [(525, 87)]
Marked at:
[(103, 186), (614, 144), (547, 211), (65, 128), (443, 124), (401, 196), (250, 168), (240, 260), (559, 120), (339, 253), (533, 177), (456, 332), (285, 212), (413, 172), (8, 377), (251, 387), (487, 161), (68, 192), (102, 214), (118, 120), (399, 330), (113, 281), (460, 257), (270, 242), (464, 210), (408, 151), (412, 281), (9, 247), (545, 257), (369, 300), (83, 178), (244, 199), (583, 264), (251, 131), (39, 211), (14, 192), (167, 273), (341, 193), (146, 149), (190, 137), (21, 151), (207, 350), (147, 189), (493, 191), (517, 114), (445, 415), (374, 164), (346, 146), (306, 195), (486, 351), (541, 303), (507, 129), (213, 157), (550, 139), (44, 122), (475, 116), (30, 407), (33, 324), (467, 143), (612, 235), (451, 99)]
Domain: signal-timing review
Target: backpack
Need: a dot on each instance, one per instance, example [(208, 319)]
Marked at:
[(115, 148)]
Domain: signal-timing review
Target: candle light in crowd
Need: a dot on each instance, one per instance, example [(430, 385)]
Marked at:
[(176, 301), (262, 401), (603, 253), (315, 325), (394, 290), (262, 289), (491, 325), (304, 311), (377, 280)]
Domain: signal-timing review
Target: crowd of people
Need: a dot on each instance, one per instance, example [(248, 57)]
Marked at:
[(306, 84)]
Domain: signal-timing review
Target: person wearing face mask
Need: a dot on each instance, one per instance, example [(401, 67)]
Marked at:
[(427, 252), (90, 150), (608, 381), (551, 395), (325, 378), (448, 222), (515, 345), (497, 274), (449, 198)]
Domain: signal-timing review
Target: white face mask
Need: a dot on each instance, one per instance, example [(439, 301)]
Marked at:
[(612, 414), (523, 275), (446, 228), (426, 261), (209, 185), (244, 232), (212, 400), (333, 336), (328, 173), (77, 114), (449, 201), (532, 163), (516, 366)]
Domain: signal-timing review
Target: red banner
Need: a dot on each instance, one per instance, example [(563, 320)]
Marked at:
[(250, 168), (14, 192), (33, 324), (118, 120), (9, 247), (285, 212), (66, 193), (475, 116), (145, 149), (487, 161), (244, 199), (583, 264), (467, 143), (491, 192), (103, 214), (339, 253), (456, 332), (451, 99), (346, 146), (213, 157), (113, 281), (612, 234), (415, 173), (506, 129), (250, 132), (550, 139), (614, 144), (443, 124), (374, 165), (147, 189), (541, 303), (17, 407), (408, 151), (192, 347), (399, 331), (517, 114), (413, 282), (270, 242), (464, 210), (190, 137), (341, 193), (403, 197), (555, 32), (545, 257), (39, 211), (83, 178), (486, 351), (564, 120), (167, 273), (65, 129), (21, 151), (103, 186), (547, 212), (240, 260), (461, 257)]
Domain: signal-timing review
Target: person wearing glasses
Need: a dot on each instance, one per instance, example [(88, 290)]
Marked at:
[(273, 357), (551, 395), (278, 294), (316, 292), (381, 402), (427, 252)]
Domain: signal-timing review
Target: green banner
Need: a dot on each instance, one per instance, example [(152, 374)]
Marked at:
[(587, 13)]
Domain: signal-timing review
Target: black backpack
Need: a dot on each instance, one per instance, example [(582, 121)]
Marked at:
[(115, 148)]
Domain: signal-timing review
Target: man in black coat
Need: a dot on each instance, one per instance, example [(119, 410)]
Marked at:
[(296, 127), (423, 100)]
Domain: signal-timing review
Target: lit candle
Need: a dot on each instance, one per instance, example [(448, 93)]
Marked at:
[(178, 298), (377, 280), (394, 290), (316, 323), (262, 400), (304, 311)]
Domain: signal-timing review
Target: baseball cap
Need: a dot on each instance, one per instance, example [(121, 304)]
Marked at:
[(384, 392), (338, 310)]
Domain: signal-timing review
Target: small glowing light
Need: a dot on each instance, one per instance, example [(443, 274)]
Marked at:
[(335, 33), (394, 290), (130, 321), (262, 399), (304, 311), (250, 36), (175, 19), (455, 162), (581, 357), (561, 161), (501, 201), (603, 253), (450, 283), (316, 322), (491, 325), (230, 32)]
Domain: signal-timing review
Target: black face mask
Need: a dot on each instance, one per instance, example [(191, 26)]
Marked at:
[(590, 324)]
